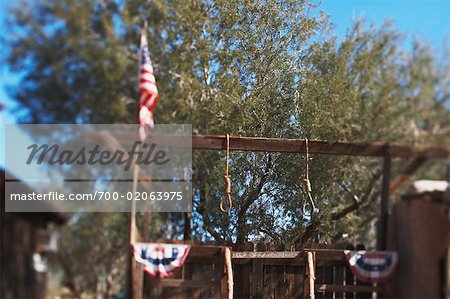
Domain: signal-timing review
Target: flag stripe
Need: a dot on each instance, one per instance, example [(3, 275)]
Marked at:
[(148, 91)]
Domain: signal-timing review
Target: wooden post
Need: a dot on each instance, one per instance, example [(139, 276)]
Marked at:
[(229, 269), (146, 219), (135, 275), (311, 274), (258, 272), (384, 203), (133, 227)]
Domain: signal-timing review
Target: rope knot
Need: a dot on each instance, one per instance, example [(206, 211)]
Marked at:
[(227, 200), (307, 185), (227, 184)]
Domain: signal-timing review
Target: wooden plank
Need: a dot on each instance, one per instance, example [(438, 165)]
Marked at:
[(136, 278), (346, 288), (421, 228), (290, 282), (203, 260), (273, 262), (338, 279), (291, 257), (242, 277), (328, 254), (324, 275), (271, 276), (223, 284), (266, 255), (447, 273), (217, 142), (240, 261), (205, 251), (183, 283), (260, 144), (257, 279)]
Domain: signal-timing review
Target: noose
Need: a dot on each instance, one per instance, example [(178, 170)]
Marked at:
[(307, 183), (227, 203)]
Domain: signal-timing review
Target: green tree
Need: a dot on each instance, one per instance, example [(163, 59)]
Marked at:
[(93, 252)]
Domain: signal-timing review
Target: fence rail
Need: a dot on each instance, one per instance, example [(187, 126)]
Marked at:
[(262, 275)]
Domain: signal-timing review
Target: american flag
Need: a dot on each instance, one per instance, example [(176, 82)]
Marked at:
[(148, 92)]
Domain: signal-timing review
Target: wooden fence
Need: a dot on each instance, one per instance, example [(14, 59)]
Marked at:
[(261, 275)]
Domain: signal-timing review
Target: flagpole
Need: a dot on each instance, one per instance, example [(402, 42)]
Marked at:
[(136, 271), (133, 206), (133, 228), (146, 216)]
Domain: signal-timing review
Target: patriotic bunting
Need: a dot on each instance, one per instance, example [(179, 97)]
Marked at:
[(161, 260), (372, 267)]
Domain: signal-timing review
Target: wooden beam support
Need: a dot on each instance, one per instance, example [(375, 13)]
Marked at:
[(281, 145), (229, 270), (402, 177), (384, 202), (255, 144), (311, 275)]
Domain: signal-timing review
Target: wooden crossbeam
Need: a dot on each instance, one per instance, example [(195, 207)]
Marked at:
[(183, 283), (265, 254), (259, 144), (281, 145), (321, 254)]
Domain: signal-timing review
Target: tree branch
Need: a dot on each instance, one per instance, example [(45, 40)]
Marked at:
[(207, 224), (250, 198), (358, 203)]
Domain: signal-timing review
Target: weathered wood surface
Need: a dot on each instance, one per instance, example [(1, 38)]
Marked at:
[(21, 235), (261, 144), (418, 231), (201, 277), (376, 149), (321, 254), (229, 271), (265, 275), (266, 255), (346, 288), (311, 275)]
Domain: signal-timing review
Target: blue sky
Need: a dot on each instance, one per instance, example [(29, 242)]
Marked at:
[(427, 19)]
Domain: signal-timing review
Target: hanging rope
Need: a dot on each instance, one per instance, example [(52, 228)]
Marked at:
[(227, 203), (307, 183)]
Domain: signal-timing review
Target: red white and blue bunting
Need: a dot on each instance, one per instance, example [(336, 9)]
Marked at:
[(161, 260), (372, 267)]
